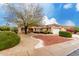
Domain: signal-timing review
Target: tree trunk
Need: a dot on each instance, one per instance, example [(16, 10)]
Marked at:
[(26, 27)]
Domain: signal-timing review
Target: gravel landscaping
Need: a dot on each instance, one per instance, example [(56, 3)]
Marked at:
[(52, 39)]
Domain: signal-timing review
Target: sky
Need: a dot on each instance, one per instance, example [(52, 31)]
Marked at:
[(62, 13), (58, 13)]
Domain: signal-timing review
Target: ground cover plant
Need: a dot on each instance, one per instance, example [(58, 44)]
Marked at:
[(8, 39)]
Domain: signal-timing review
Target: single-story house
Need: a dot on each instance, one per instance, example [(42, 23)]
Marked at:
[(52, 28)]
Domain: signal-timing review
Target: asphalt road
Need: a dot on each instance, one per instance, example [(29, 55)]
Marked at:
[(75, 53)]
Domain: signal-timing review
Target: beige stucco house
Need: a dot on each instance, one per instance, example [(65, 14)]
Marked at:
[(52, 28)]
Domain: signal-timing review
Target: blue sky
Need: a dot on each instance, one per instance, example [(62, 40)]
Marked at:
[(63, 13), (60, 13)]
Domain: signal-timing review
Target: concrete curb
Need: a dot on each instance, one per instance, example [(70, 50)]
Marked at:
[(40, 43)]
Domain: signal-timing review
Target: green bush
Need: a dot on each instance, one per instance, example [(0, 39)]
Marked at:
[(14, 29), (8, 39), (4, 28), (65, 34), (76, 29)]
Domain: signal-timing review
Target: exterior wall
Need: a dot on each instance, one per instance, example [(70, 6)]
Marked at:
[(63, 29), (34, 29), (55, 31), (38, 29)]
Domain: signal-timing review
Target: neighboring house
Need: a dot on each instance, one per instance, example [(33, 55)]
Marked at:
[(71, 29)]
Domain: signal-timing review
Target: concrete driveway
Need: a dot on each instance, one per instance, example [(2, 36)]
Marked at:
[(61, 49)]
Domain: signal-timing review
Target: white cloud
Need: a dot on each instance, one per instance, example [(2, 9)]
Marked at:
[(47, 21), (77, 6), (69, 23), (67, 6)]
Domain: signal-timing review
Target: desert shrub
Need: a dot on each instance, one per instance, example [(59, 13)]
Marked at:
[(65, 34), (8, 39), (4, 28)]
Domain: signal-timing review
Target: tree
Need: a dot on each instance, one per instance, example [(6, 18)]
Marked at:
[(25, 15)]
